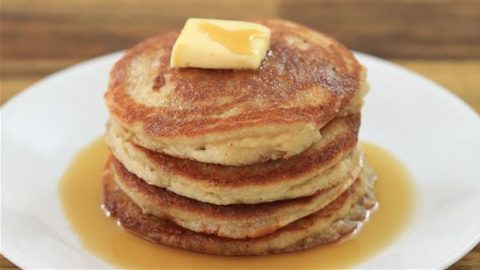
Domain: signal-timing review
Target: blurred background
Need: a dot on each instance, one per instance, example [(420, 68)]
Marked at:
[(431, 37), (439, 39)]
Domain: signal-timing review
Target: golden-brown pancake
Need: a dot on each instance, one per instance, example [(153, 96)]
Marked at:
[(338, 219), (323, 165), (231, 221), (236, 117)]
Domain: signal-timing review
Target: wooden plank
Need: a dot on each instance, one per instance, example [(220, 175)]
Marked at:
[(66, 29), (6, 264), (469, 261), (393, 29)]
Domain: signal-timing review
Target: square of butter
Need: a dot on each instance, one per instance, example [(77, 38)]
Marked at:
[(220, 44)]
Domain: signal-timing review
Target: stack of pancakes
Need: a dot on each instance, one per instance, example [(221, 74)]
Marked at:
[(239, 162)]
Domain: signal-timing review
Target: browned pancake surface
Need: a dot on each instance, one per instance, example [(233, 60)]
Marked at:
[(307, 77)]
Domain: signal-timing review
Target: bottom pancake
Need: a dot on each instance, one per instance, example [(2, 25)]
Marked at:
[(338, 219)]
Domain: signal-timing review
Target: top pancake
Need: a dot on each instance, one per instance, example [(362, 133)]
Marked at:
[(236, 117)]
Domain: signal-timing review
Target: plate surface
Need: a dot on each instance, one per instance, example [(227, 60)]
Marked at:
[(433, 132)]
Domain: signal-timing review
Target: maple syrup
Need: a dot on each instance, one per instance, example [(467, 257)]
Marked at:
[(81, 196)]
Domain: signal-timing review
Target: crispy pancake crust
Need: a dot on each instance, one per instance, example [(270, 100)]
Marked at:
[(339, 219), (307, 80), (232, 221), (320, 167)]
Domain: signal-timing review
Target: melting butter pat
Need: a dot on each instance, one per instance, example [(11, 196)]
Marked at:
[(220, 44)]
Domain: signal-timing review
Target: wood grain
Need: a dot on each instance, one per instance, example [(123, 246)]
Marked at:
[(401, 29), (438, 39)]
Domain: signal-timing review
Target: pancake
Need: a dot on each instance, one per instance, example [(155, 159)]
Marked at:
[(232, 221), (236, 117), (335, 221), (320, 167)]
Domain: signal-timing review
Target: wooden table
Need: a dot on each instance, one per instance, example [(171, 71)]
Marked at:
[(439, 40)]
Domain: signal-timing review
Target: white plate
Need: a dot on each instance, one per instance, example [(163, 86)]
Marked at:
[(435, 134)]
